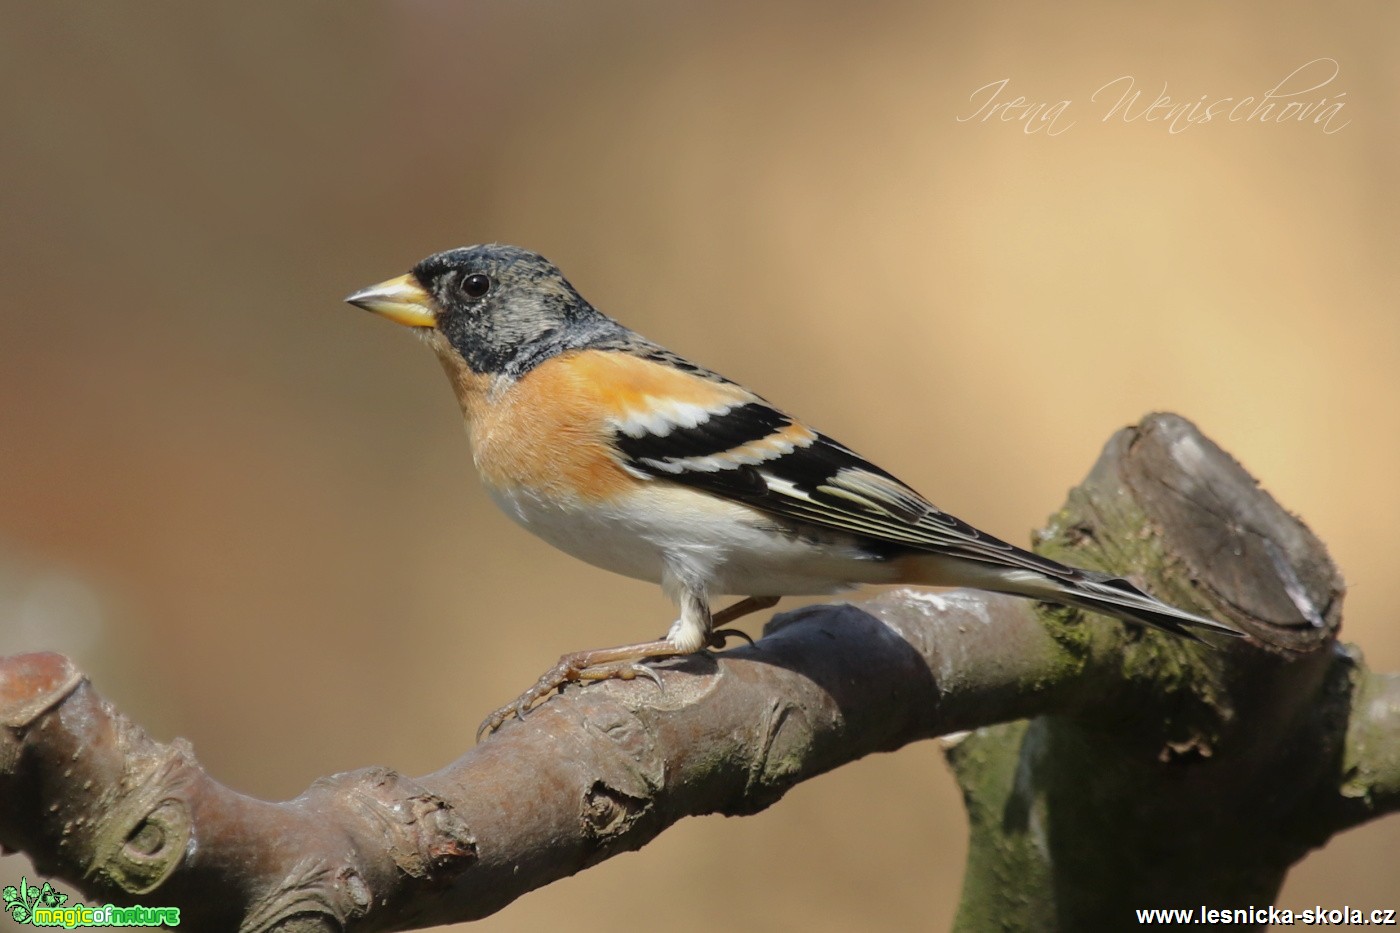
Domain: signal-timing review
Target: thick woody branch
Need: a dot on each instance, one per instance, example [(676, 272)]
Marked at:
[(1211, 786), (1367, 781), (604, 769), (593, 772)]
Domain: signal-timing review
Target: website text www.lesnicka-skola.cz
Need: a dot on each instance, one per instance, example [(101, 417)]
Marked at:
[(1318, 916)]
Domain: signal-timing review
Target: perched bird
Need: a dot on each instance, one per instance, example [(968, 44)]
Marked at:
[(624, 454)]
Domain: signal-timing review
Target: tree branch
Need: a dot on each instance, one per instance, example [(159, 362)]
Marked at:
[(593, 772), (604, 769), (1201, 788)]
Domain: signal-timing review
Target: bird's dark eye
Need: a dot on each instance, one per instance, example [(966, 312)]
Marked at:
[(474, 286)]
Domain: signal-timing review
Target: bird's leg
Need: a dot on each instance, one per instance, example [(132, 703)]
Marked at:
[(737, 611), (692, 632), (621, 663)]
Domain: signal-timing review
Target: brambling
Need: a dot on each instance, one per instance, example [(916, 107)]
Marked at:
[(626, 455)]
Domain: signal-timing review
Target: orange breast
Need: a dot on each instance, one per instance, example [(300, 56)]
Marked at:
[(550, 431)]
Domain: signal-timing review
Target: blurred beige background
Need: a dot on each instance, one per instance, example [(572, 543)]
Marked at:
[(248, 510)]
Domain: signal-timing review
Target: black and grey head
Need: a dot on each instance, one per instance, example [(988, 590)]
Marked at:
[(503, 309)]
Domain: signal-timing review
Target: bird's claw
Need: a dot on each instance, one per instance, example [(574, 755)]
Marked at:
[(629, 671), (517, 708), (567, 671), (720, 636)]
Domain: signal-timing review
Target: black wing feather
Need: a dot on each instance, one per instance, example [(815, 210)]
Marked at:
[(752, 453), (823, 483), (738, 426)]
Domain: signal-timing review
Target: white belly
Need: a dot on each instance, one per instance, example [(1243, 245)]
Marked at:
[(668, 530)]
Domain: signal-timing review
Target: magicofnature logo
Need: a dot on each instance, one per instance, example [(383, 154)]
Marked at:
[(44, 906)]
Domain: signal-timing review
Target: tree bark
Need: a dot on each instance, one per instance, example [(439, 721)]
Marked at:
[(1154, 771), (1199, 776)]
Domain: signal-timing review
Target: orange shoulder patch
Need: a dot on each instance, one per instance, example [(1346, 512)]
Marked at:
[(626, 384), (551, 432)]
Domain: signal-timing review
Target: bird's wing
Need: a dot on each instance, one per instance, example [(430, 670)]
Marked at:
[(744, 449), (733, 444)]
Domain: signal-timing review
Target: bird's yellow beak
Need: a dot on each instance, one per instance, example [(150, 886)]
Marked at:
[(401, 300)]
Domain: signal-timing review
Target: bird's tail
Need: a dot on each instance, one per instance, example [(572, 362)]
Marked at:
[(1080, 589), (1117, 597)]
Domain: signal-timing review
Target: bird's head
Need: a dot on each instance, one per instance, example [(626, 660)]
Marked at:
[(498, 309)]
